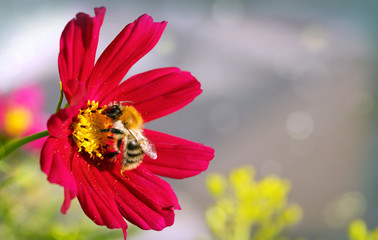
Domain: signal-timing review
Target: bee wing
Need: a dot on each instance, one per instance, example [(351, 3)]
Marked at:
[(147, 146)]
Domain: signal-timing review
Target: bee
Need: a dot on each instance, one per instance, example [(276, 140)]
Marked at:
[(128, 135)]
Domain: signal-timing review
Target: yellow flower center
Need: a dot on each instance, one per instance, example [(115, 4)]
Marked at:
[(17, 121), (87, 130)]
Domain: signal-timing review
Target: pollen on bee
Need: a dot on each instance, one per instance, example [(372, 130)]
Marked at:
[(86, 130)]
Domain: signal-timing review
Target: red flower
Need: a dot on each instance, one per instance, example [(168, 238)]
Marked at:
[(75, 155)]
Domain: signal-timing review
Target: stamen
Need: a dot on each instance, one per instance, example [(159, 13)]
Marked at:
[(87, 130)]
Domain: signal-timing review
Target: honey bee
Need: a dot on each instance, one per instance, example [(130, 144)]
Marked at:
[(128, 134)]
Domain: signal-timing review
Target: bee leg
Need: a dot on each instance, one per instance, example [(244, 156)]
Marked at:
[(111, 154), (112, 130), (116, 148), (116, 131), (104, 130)]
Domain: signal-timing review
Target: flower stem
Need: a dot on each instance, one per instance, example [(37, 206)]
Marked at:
[(60, 98), (12, 146)]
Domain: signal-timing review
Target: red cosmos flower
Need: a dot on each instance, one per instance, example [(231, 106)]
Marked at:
[(75, 154)]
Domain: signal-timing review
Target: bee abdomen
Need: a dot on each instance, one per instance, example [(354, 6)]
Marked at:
[(135, 157), (133, 145)]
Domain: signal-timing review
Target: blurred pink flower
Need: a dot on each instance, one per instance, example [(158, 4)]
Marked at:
[(21, 114)]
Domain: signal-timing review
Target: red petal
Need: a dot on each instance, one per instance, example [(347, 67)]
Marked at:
[(124, 230), (143, 198), (47, 154), (55, 161), (158, 92), (94, 194), (68, 196), (131, 44), (58, 124), (177, 157), (74, 91), (57, 153), (78, 45)]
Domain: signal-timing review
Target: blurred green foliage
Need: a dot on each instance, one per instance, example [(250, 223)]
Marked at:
[(244, 208), (359, 231), (248, 209), (30, 206)]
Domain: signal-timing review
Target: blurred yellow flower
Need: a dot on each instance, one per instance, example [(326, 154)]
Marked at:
[(359, 231), (248, 209)]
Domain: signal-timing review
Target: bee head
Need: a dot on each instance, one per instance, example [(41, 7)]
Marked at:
[(113, 111)]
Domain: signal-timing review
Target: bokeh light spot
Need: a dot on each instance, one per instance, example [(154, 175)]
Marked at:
[(167, 44), (299, 125), (341, 211), (314, 38)]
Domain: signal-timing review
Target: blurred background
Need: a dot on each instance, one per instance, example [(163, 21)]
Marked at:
[(289, 87)]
